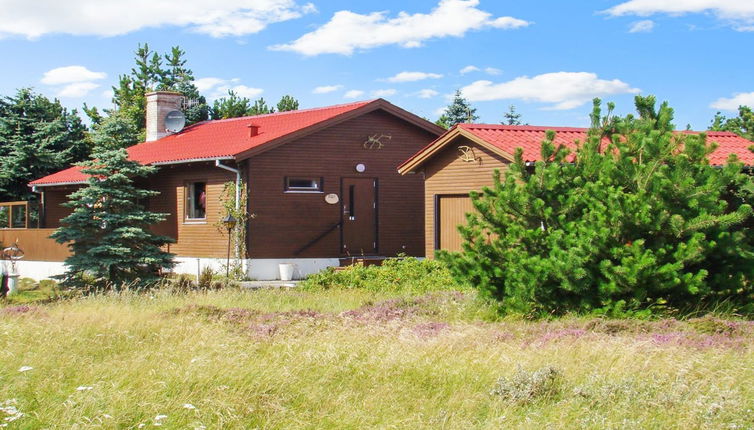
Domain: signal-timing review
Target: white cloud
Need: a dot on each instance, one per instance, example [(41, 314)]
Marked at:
[(108, 94), (347, 31), (324, 89), (218, 87), (71, 74), (643, 26), (248, 92), (77, 89), (384, 93), (111, 18), (469, 69), (427, 93), (413, 77), (492, 71), (353, 94), (739, 13), (563, 90), (732, 103), (206, 84)]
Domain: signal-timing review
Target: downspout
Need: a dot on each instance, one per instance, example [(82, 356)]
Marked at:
[(238, 181), (238, 193)]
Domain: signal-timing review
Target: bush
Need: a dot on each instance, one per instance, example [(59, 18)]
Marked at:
[(205, 278), (636, 219), (395, 274)]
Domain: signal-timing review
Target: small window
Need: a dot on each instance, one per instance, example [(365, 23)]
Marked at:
[(303, 185), (18, 216), (196, 201)]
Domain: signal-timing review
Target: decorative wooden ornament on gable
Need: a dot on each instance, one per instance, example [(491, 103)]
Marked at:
[(377, 141), (467, 155)]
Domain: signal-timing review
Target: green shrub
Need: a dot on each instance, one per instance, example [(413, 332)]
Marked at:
[(636, 219), (395, 274)]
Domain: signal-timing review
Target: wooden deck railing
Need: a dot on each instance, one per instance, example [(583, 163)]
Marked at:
[(35, 242)]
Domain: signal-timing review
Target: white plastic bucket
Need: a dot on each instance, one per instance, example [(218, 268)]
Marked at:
[(286, 271)]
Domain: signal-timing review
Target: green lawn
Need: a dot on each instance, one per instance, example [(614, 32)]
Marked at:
[(360, 359)]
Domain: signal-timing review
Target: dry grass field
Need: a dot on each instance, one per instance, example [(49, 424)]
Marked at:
[(361, 359)]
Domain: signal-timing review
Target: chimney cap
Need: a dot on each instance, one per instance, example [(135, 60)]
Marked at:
[(163, 93)]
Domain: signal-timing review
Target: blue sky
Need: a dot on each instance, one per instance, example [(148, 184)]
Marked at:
[(548, 58)]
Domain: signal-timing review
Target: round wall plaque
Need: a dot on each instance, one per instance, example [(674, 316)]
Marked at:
[(332, 199), (361, 168)]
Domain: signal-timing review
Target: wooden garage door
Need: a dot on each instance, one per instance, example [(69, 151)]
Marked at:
[(450, 213)]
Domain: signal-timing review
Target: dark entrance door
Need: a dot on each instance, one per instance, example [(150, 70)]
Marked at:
[(359, 216)]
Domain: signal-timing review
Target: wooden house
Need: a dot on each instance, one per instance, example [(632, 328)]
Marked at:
[(322, 185), (464, 159)]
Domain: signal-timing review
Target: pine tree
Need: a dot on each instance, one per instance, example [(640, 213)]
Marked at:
[(742, 125), (511, 117), (260, 108), (150, 75), (287, 103), (37, 137), (459, 111), (108, 230), (232, 106), (636, 216)]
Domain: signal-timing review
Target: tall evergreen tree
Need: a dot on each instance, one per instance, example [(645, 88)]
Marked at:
[(38, 136), (114, 132), (459, 111), (108, 230), (150, 75), (287, 103)]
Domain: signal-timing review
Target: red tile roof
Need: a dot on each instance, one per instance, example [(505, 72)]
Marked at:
[(509, 137), (219, 139)]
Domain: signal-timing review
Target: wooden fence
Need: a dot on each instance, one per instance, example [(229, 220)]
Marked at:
[(35, 242)]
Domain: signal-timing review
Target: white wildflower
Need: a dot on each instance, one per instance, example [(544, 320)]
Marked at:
[(142, 425), (25, 368), (84, 388), (188, 406)]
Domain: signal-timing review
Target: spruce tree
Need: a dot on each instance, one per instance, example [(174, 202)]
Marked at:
[(635, 217), (108, 230), (511, 117), (38, 137), (260, 107), (459, 111)]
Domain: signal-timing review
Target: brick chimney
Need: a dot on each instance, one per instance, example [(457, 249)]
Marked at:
[(159, 103)]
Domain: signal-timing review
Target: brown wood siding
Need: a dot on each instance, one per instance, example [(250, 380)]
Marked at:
[(447, 174), (36, 243), (285, 222), (193, 238)]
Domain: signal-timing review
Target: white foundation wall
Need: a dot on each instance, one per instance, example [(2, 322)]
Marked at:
[(256, 269)]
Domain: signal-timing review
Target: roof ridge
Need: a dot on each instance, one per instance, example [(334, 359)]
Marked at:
[(291, 112), (520, 127)]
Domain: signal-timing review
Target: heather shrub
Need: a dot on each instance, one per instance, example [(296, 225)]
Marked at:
[(526, 386)]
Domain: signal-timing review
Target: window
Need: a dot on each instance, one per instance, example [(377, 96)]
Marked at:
[(196, 201), (18, 216), (303, 185), (14, 215)]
